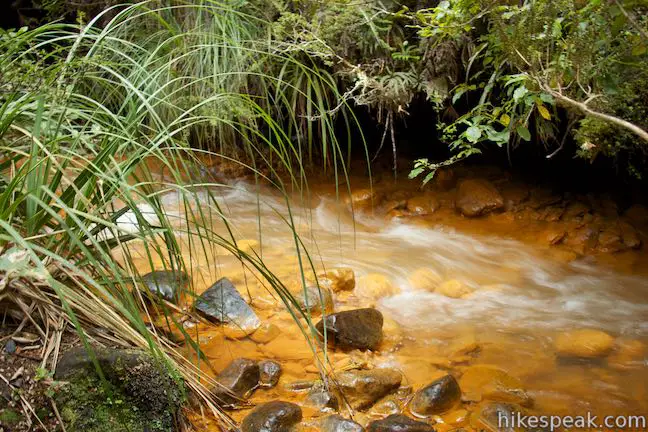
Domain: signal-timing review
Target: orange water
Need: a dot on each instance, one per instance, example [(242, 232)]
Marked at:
[(524, 294)]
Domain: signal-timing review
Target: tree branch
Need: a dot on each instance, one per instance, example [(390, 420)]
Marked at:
[(643, 134)]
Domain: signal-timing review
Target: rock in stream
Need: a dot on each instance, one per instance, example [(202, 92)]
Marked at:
[(358, 328), (223, 303), (275, 416), (167, 284)]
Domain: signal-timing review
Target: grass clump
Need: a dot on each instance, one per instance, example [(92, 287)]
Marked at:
[(90, 116)]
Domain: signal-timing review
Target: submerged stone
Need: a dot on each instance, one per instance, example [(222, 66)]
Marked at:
[(166, 284), (237, 381), (269, 373), (358, 328), (337, 423), (223, 303), (322, 399), (275, 416), (438, 397), (398, 423), (363, 388), (585, 343)]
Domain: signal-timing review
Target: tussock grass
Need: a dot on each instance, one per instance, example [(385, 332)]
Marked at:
[(89, 115)]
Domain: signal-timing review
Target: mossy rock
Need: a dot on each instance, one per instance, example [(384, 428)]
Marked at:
[(140, 393)]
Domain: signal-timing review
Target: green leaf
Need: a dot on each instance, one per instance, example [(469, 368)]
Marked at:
[(523, 132), (473, 133), (519, 93), (547, 98)]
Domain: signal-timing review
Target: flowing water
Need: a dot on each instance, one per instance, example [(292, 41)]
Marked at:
[(522, 297)]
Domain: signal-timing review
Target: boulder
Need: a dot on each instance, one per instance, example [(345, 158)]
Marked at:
[(584, 343), (436, 398), (269, 373), (275, 416), (477, 197), (151, 395), (337, 423), (338, 279), (422, 205), (237, 381), (223, 303), (398, 423), (363, 388), (166, 284), (353, 329)]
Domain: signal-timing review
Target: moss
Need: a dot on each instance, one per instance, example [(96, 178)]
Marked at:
[(9, 417), (142, 396)]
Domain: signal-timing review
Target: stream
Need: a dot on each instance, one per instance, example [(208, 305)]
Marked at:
[(515, 301)]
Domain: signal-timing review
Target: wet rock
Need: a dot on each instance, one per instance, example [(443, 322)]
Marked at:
[(387, 406), (358, 328), (237, 381), (166, 284), (422, 205), (554, 235), (489, 382), (453, 289), (582, 239), (363, 388), (375, 286), (314, 299), (610, 240), (338, 279), (425, 279), (585, 343), (151, 396), (477, 197), (275, 416), (337, 423), (10, 346), (223, 303), (365, 199), (322, 399), (440, 396), (629, 236), (269, 373), (398, 423)]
